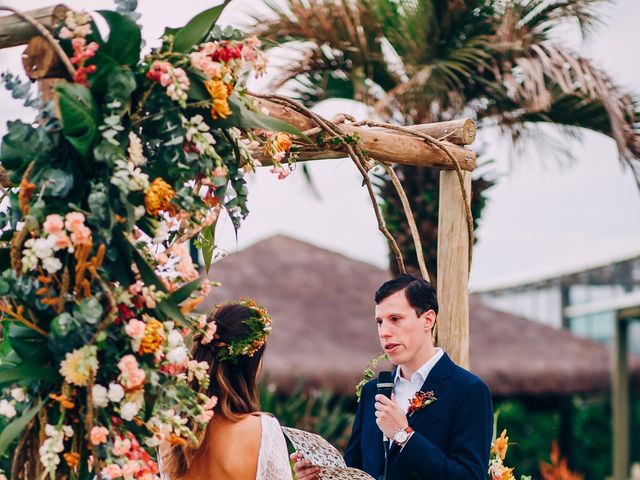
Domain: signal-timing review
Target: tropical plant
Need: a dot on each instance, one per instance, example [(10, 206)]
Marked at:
[(418, 61)]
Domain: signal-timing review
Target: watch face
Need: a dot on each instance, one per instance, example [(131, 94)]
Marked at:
[(401, 436)]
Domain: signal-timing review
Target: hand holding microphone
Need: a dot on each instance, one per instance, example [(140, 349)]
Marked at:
[(390, 418)]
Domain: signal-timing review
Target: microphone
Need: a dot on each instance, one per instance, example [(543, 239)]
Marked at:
[(385, 387)]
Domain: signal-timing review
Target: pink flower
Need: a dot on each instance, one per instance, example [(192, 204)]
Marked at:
[(81, 235), (130, 469), (65, 33), (135, 329), (73, 221), (98, 435), (121, 446), (136, 288), (112, 471), (209, 334), (62, 242), (132, 375), (54, 224), (78, 43), (211, 403), (161, 258)]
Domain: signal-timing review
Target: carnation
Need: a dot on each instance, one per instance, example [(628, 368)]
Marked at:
[(178, 355), (116, 392), (99, 395), (129, 410)]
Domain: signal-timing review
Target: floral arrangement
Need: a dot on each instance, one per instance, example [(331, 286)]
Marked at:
[(558, 468), (497, 469), (420, 400), (98, 286), (259, 329)]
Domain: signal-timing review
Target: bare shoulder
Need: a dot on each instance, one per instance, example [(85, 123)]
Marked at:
[(237, 446)]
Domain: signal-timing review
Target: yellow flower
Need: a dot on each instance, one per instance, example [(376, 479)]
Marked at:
[(153, 337), (158, 197), (501, 444), (283, 142), (77, 366), (219, 92)]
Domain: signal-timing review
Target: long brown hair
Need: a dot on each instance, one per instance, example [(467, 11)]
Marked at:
[(233, 382)]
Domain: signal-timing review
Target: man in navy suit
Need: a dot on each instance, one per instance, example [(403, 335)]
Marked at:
[(447, 435)]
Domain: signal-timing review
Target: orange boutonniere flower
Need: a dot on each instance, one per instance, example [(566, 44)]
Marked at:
[(420, 400)]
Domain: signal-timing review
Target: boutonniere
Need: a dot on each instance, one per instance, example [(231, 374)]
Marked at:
[(420, 400)]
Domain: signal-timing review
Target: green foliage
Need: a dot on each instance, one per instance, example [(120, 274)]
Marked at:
[(11, 431), (197, 29), (79, 115)]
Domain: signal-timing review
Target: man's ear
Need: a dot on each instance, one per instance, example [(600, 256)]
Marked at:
[(429, 318)]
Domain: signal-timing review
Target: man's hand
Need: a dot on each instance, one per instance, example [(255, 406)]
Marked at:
[(303, 468), (389, 416)]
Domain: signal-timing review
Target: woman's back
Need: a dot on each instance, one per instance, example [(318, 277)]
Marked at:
[(252, 448)]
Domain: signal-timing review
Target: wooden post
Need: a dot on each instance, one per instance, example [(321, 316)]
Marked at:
[(620, 400), (452, 333)]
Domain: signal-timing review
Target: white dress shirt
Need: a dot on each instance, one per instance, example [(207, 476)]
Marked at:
[(404, 389)]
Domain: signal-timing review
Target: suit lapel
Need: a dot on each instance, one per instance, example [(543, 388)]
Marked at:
[(436, 381)]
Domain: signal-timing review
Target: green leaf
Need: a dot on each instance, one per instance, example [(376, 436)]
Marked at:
[(25, 371), (208, 245), (124, 38), (89, 310), (181, 294), (78, 114), (249, 119), (15, 428), (58, 182), (28, 344), (197, 29)]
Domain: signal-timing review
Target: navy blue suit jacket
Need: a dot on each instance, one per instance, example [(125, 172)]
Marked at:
[(452, 435)]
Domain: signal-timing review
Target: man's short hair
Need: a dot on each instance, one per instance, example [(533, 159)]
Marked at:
[(419, 293)]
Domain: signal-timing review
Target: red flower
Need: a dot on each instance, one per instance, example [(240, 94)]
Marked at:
[(420, 400)]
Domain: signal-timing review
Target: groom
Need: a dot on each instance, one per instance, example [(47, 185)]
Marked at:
[(448, 433)]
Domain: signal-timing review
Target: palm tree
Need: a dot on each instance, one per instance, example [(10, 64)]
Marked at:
[(421, 61)]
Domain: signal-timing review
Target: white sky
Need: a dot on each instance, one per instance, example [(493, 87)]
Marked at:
[(541, 217)]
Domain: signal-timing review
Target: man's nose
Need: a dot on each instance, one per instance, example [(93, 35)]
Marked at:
[(383, 331)]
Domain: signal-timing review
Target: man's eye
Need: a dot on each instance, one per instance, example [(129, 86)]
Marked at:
[(379, 322)]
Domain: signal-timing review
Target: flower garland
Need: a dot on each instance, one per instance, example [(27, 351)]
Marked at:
[(99, 289)]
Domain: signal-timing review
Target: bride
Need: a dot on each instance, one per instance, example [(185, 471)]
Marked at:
[(240, 443)]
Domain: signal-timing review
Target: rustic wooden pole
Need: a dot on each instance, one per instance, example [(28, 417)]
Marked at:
[(15, 31), (620, 400), (452, 329)]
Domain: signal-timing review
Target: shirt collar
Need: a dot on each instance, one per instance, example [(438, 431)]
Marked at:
[(424, 370)]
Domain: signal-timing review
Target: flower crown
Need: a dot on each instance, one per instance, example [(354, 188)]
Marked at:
[(259, 329)]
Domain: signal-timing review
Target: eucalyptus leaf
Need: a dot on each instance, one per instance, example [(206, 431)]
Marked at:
[(89, 310), (58, 182)]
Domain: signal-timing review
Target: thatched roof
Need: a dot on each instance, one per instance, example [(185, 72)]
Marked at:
[(324, 332)]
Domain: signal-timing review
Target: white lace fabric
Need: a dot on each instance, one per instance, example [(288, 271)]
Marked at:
[(273, 459)]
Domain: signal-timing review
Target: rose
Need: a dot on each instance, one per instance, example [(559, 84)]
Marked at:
[(53, 225), (73, 221), (98, 435), (112, 471)]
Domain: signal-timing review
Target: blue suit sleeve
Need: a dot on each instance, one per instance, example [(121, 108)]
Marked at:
[(353, 452), (470, 441)]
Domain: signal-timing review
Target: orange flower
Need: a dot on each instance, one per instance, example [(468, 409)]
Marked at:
[(153, 337), (24, 195), (158, 197), (501, 444), (283, 142), (190, 304), (63, 399), (219, 92), (175, 440), (72, 459)]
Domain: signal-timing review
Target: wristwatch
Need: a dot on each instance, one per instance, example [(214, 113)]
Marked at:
[(402, 436)]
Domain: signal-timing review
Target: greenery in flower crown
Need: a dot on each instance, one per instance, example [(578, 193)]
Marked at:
[(259, 329), (97, 283)]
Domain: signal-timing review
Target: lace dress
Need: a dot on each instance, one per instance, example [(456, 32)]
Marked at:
[(273, 459)]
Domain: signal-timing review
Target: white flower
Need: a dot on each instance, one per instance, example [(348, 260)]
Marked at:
[(29, 261), (151, 442), (18, 394), (129, 410), (116, 392), (161, 233), (175, 339), (43, 247), (136, 155), (139, 212), (7, 409), (178, 356), (67, 430), (51, 264), (99, 395), (129, 178)]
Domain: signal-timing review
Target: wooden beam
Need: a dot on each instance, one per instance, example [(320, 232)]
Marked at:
[(389, 145), (453, 269), (620, 400), (15, 31), (40, 61)]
